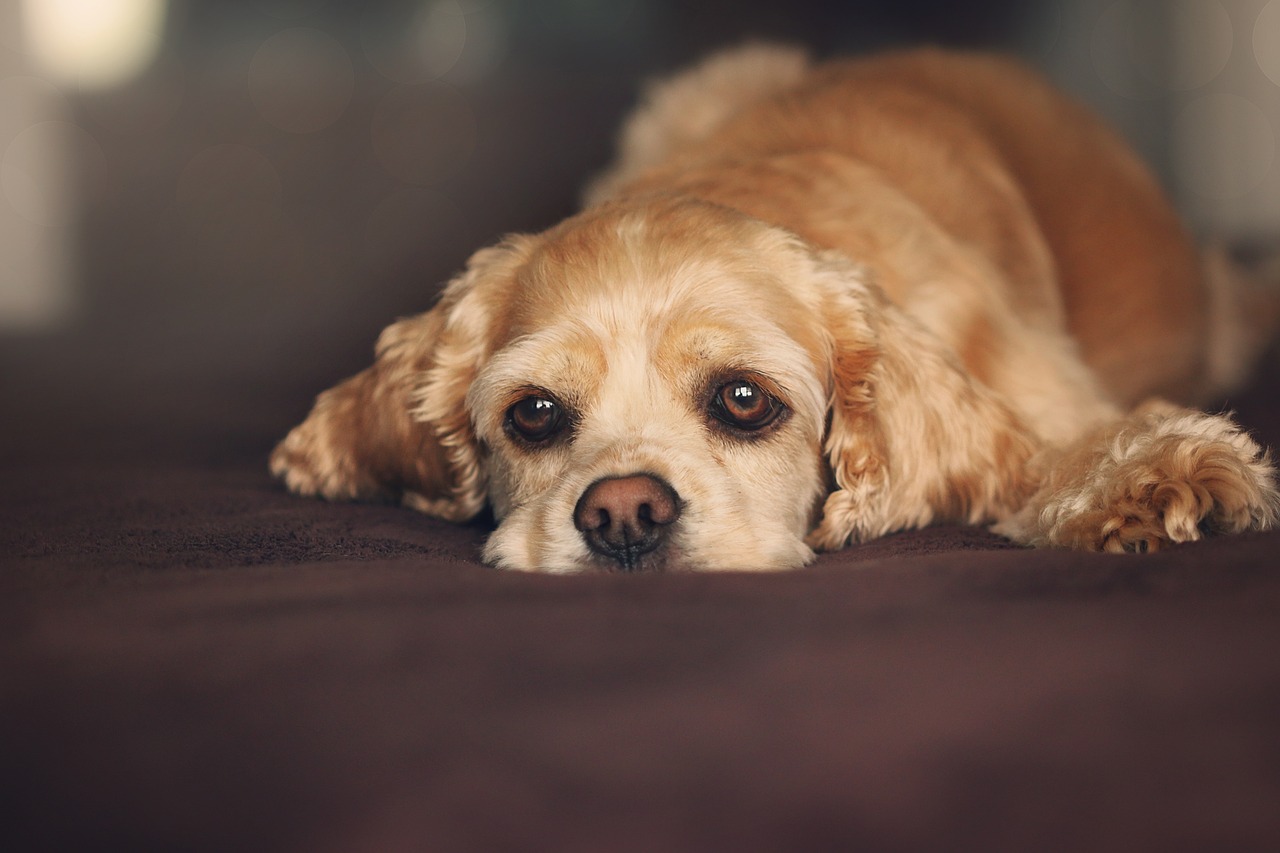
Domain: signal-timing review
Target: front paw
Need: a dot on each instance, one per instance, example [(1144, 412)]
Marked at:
[(1160, 477), (320, 457), (309, 465)]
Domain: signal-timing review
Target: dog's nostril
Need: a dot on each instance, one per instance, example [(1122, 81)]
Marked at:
[(626, 517), (591, 517)]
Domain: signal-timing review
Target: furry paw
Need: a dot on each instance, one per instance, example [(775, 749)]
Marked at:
[(1165, 475)]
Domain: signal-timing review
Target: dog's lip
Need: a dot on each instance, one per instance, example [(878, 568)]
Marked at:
[(666, 559)]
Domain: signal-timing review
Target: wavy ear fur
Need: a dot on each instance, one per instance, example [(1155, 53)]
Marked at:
[(400, 430), (912, 437)]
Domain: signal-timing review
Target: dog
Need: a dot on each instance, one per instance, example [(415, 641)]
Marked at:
[(810, 304)]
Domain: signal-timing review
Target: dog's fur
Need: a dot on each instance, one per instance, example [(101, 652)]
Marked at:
[(949, 280)]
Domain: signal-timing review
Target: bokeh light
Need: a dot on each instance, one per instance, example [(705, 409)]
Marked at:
[(486, 45), (413, 42), (1200, 42), (1266, 41), (93, 44)]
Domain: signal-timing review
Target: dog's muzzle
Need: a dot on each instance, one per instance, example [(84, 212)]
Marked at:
[(626, 517)]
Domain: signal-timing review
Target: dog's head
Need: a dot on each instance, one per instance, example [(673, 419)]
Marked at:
[(661, 384)]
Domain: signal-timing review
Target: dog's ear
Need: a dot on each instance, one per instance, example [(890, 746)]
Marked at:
[(400, 430), (912, 438)]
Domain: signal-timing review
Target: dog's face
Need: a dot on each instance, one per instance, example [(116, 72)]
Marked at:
[(655, 398), (660, 385)]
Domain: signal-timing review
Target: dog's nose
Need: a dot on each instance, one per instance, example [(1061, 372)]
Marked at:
[(626, 517)]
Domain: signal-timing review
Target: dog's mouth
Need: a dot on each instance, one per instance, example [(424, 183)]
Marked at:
[(668, 558), (648, 562)]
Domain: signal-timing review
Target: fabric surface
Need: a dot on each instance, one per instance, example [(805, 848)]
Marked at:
[(192, 659)]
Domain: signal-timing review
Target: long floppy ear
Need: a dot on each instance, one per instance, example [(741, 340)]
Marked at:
[(400, 430), (912, 437)]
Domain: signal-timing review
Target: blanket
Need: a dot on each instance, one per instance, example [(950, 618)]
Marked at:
[(193, 659)]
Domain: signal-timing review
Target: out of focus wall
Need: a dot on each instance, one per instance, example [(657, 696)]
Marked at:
[(1195, 84)]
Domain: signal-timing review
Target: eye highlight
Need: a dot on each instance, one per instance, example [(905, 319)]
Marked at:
[(744, 405), (536, 419)]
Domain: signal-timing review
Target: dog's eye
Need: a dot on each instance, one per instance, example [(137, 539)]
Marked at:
[(535, 419), (744, 405)]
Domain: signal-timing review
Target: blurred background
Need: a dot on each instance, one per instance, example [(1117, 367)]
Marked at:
[(247, 192)]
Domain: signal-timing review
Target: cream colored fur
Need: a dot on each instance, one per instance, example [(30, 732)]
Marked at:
[(951, 280)]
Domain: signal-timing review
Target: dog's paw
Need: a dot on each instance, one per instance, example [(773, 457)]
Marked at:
[(1178, 496), (1164, 476), (322, 456), (309, 465)]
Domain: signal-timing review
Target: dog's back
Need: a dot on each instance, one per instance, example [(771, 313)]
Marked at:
[(682, 111), (1000, 160)]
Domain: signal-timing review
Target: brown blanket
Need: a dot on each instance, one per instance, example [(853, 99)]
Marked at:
[(194, 660)]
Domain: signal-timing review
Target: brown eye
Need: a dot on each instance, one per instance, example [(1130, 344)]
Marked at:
[(535, 419), (744, 405)]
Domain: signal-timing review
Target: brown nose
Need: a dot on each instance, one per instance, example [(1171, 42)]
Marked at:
[(626, 517)]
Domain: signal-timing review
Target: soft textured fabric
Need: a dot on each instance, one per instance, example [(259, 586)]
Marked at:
[(192, 659)]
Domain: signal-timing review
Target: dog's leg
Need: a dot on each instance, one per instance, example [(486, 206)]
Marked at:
[(1162, 475)]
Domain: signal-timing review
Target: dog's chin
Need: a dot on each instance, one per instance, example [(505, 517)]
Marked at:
[(588, 562), (654, 562), (674, 561), (508, 549)]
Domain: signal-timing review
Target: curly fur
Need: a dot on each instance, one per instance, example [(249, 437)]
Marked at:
[(954, 283)]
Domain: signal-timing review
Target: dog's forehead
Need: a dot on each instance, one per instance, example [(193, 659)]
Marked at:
[(618, 263), (641, 346)]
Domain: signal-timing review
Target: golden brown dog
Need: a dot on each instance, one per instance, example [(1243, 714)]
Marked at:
[(810, 305)]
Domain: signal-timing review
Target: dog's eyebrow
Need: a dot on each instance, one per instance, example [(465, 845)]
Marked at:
[(559, 365), (694, 357), (715, 379), (516, 393)]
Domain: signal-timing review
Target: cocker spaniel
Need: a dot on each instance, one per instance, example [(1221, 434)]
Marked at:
[(811, 304)]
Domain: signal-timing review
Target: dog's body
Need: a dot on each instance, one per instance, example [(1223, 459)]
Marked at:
[(810, 305)]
